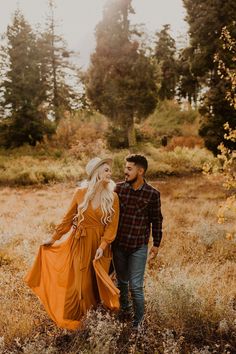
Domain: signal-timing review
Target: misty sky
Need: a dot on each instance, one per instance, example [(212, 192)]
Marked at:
[(78, 18)]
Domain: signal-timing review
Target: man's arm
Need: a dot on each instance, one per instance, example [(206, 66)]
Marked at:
[(155, 218)]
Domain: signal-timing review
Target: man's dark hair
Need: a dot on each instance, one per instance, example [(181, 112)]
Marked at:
[(139, 160)]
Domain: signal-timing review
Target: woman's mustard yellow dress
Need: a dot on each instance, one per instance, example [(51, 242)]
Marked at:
[(66, 277)]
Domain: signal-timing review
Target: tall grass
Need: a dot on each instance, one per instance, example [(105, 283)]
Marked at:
[(32, 170), (82, 135), (190, 289), (28, 170), (180, 161)]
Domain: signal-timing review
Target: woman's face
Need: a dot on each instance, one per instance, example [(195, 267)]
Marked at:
[(105, 173)]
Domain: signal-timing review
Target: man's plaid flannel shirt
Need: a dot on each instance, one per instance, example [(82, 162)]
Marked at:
[(139, 209)]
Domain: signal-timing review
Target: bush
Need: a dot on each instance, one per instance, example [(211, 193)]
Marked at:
[(180, 161), (118, 164), (169, 120), (116, 138), (79, 126), (185, 141)]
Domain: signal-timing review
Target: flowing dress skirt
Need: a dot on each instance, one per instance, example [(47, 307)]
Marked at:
[(68, 280)]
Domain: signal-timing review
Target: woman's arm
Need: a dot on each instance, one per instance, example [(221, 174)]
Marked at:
[(66, 223), (111, 228)]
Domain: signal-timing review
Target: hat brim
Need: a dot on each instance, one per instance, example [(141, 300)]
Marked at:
[(100, 163)]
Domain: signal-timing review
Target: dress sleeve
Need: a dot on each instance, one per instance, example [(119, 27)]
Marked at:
[(111, 229), (65, 225)]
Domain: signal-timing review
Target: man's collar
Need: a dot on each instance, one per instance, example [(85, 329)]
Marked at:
[(139, 188)]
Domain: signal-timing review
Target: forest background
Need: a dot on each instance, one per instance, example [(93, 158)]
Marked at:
[(138, 95)]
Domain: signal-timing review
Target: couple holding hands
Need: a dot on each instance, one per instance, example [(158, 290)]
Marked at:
[(108, 223)]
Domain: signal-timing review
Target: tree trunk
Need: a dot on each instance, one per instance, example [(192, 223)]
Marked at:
[(131, 133), (54, 64)]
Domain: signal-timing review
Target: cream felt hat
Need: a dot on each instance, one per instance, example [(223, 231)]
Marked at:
[(93, 164)]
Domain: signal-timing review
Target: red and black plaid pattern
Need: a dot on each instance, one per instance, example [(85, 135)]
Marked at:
[(139, 209)]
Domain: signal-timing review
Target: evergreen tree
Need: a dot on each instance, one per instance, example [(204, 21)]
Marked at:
[(21, 88), (57, 70), (165, 52), (121, 80), (206, 19), (188, 86)]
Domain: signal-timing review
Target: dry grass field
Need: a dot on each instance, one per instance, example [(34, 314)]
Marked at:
[(190, 291)]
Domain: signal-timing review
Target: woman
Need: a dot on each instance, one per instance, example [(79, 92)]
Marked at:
[(71, 276)]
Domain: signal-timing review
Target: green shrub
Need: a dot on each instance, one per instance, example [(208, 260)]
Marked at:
[(169, 120)]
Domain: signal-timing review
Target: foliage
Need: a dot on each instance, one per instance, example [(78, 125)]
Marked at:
[(227, 156), (205, 29), (29, 170), (206, 19), (22, 89), (216, 112), (117, 137), (169, 120), (122, 79), (57, 69), (187, 141), (188, 86), (36, 82), (164, 53), (26, 167), (181, 161), (226, 70), (80, 131), (227, 169)]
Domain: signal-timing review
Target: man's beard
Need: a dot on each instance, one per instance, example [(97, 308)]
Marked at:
[(132, 180)]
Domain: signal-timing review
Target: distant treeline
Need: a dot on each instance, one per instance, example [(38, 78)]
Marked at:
[(126, 78)]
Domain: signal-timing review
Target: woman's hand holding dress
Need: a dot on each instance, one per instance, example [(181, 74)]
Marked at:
[(98, 254), (48, 242)]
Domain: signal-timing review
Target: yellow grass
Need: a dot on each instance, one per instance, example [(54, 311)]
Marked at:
[(190, 291)]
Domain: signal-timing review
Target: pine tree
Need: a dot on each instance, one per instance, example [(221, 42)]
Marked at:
[(57, 69), (165, 52), (188, 86), (121, 79), (206, 19), (22, 91)]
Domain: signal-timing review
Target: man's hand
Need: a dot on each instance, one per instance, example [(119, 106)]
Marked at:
[(99, 254), (152, 255), (48, 242)]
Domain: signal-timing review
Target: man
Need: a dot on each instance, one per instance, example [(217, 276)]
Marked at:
[(140, 208)]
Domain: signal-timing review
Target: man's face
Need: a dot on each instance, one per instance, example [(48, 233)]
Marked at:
[(132, 172)]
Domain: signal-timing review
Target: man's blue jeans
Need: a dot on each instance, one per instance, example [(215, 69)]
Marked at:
[(130, 267)]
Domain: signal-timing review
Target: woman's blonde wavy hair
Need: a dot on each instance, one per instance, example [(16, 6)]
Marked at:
[(107, 196)]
